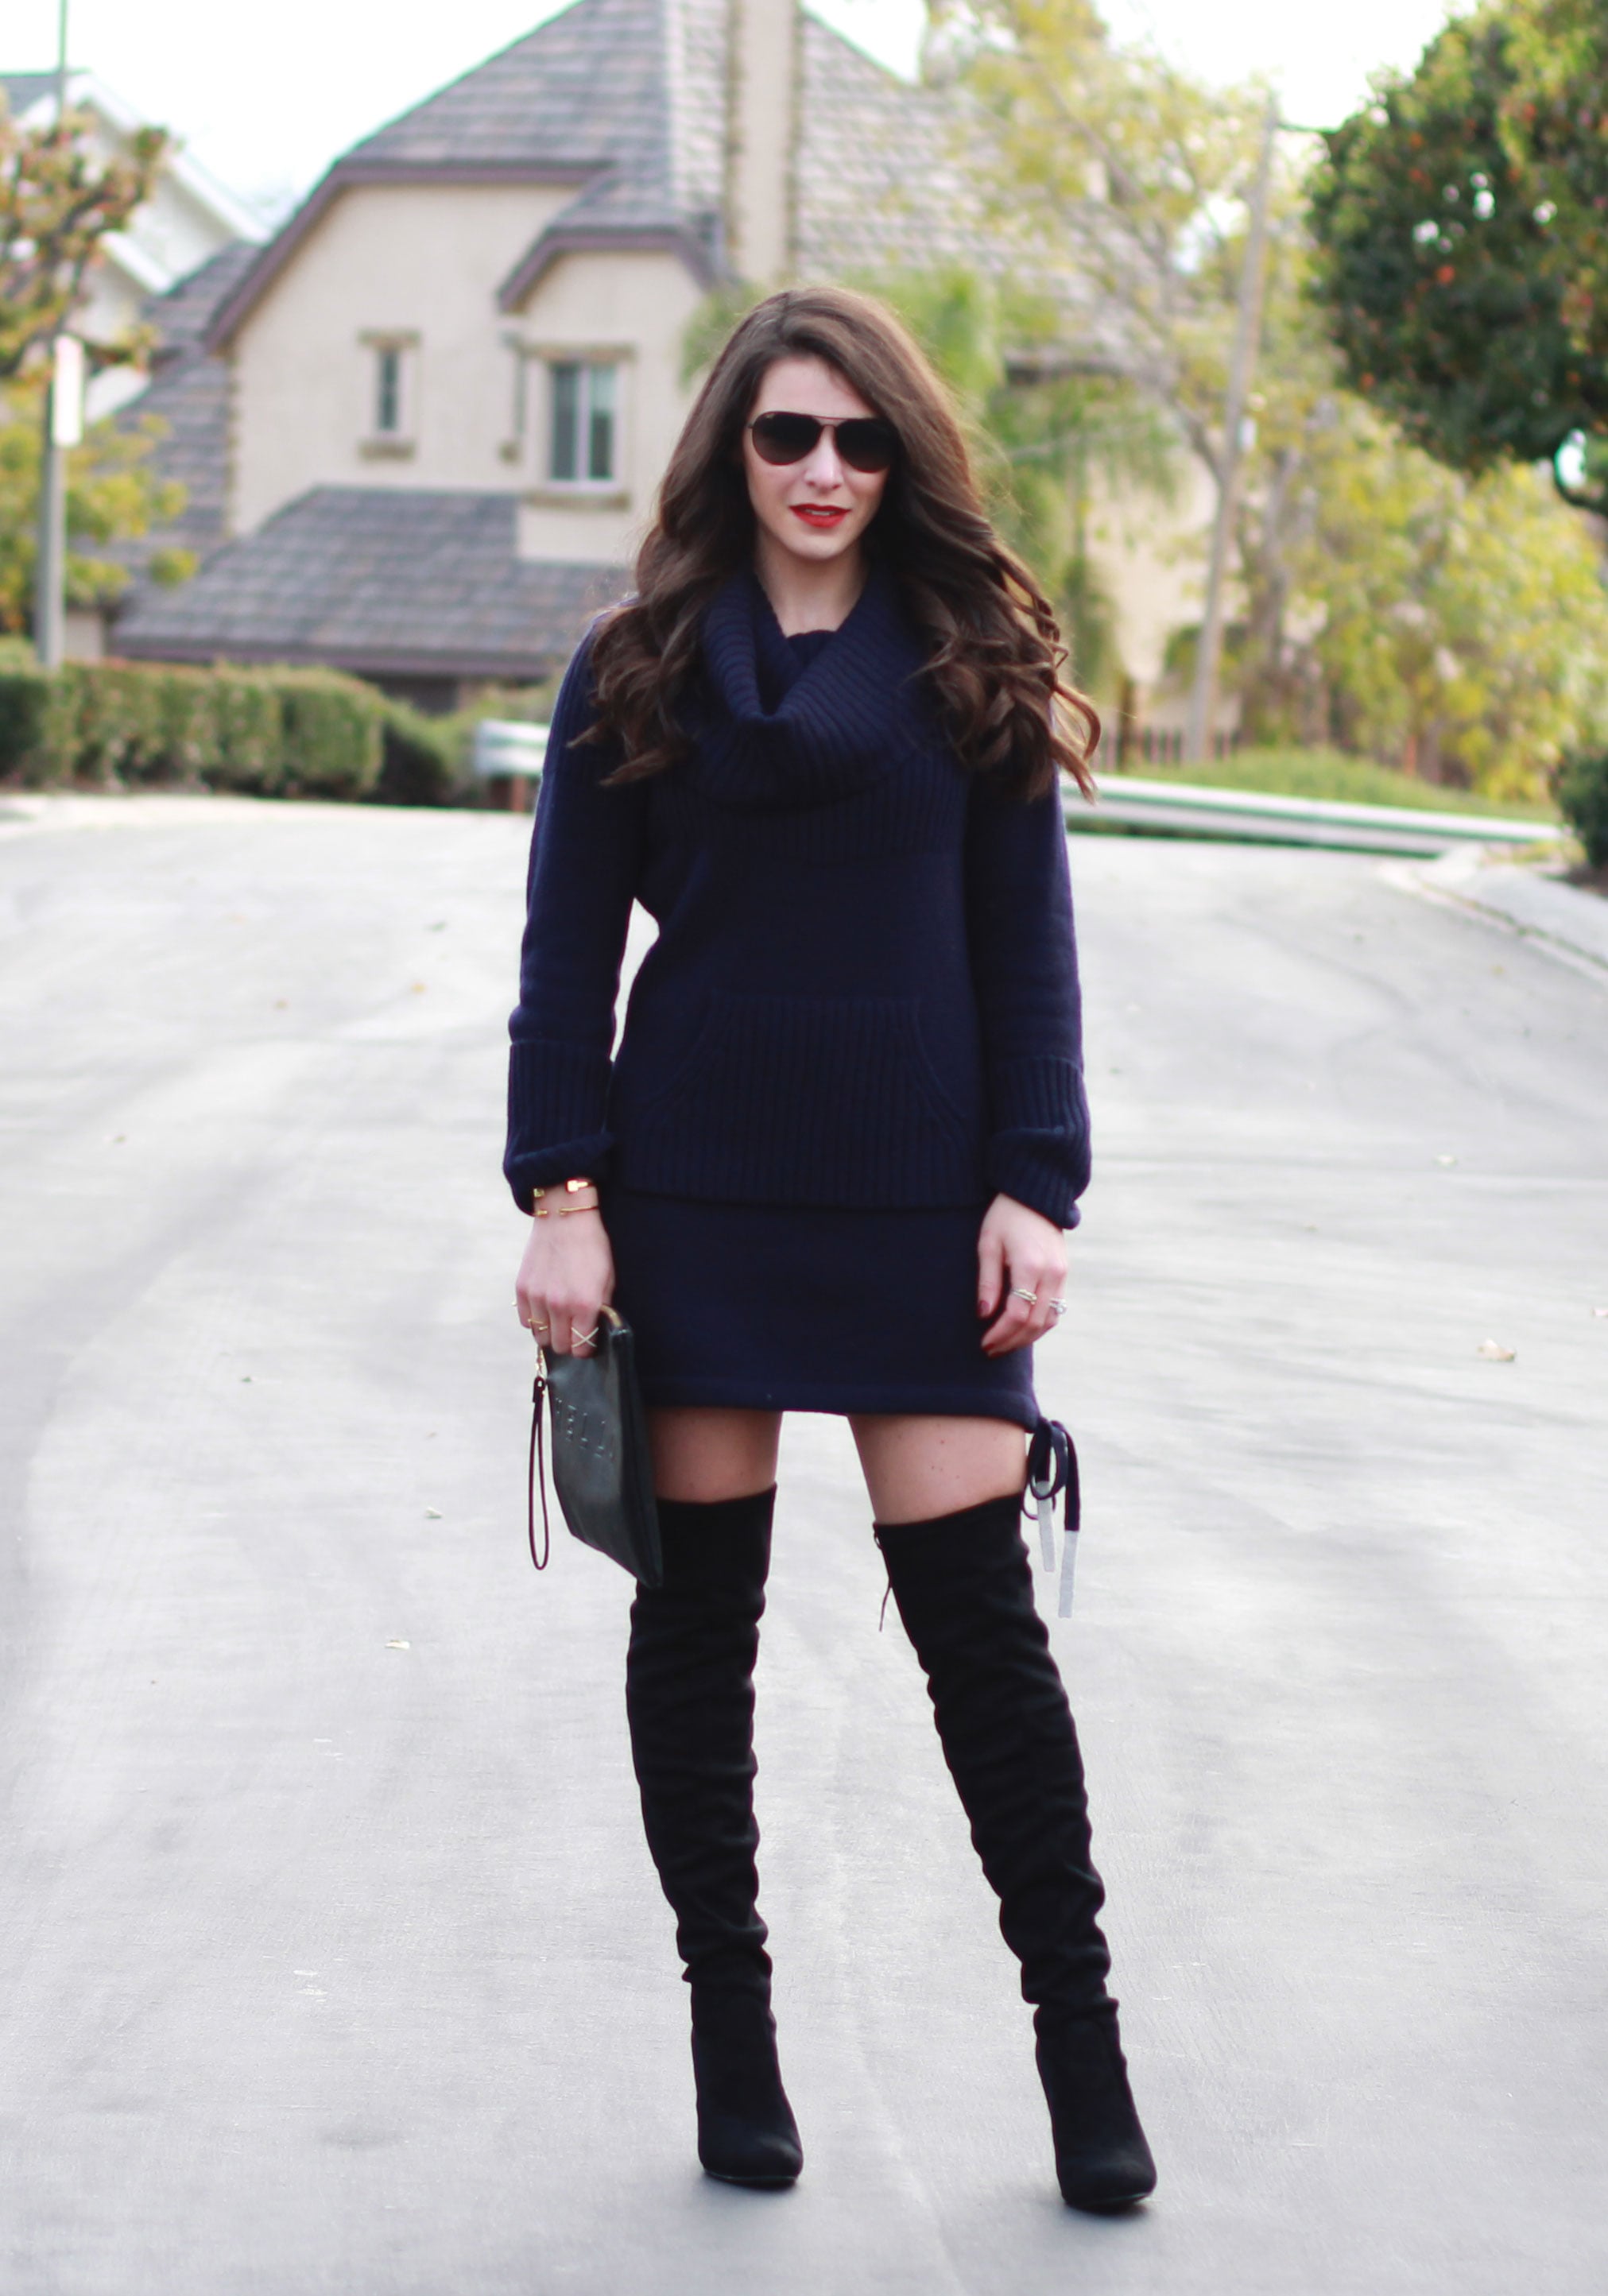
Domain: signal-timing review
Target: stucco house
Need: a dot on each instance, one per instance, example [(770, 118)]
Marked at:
[(450, 382)]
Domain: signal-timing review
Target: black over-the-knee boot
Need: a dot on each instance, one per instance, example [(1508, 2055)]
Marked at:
[(690, 1697), (965, 1590)]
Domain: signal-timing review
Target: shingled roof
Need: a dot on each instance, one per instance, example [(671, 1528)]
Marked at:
[(188, 394), (596, 86), (386, 581), (625, 99), (882, 176)]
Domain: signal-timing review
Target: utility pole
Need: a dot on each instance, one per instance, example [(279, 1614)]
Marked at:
[(1247, 337), (63, 424)]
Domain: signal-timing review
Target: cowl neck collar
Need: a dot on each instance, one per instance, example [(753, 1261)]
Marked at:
[(847, 717)]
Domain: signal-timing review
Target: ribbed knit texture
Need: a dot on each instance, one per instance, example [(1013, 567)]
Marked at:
[(790, 1065), (864, 993)]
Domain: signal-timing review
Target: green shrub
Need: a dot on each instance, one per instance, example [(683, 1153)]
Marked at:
[(425, 758), (331, 734), (187, 726), (29, 748), (1583, 795), (268, 731), (247, 732), (114, 711)]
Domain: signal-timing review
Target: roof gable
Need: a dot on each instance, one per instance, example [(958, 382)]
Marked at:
[(620, 97), (626, 100), (584, 88)]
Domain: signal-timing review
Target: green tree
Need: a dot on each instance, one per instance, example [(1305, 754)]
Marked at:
[(112, 495), (1383, 598), (1457, 284), (1458, 623), (1132, 177), (58, 201), (1135, 178), (1554, 119)]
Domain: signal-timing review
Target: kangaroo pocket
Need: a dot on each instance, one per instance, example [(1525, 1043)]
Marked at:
[(792, 1100)]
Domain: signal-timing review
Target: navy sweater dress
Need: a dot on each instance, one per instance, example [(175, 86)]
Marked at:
[(858, 1023)]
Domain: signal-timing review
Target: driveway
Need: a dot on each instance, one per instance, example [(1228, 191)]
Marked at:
[(333, 1961)]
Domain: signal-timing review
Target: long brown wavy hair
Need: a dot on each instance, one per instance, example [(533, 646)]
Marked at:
[(996, 654)]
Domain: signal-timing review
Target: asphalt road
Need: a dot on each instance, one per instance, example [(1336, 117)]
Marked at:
[(331, 1960)]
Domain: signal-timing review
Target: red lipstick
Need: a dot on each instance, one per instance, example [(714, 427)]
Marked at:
[(823, 516)]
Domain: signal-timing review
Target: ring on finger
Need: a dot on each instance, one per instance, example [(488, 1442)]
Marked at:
[(1057, 1308), (1031, 1297), (583, 1339)]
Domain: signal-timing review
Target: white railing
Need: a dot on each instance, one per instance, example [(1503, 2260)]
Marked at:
[(510, 750), (1251, 815), (507, 748)]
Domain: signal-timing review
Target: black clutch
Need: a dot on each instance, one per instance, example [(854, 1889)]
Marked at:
[(601, 1468)]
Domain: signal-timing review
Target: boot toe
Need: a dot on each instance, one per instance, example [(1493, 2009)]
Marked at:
[(1103, 2161), (746, 2131), (741, 2152), (1105, 2179)]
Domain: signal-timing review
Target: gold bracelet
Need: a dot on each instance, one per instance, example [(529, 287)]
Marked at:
[(541, 1210)]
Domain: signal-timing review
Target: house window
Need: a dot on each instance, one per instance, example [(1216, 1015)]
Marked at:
[(388, 391), (584, 442), (390, 414)]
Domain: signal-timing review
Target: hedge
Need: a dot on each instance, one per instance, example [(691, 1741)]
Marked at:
[(273, 732), (1583, 796)]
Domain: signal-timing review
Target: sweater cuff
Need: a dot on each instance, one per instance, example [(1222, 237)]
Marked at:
[(557, 1115), (1038, 1148)]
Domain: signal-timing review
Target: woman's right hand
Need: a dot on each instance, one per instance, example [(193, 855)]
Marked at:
[(566, 1279)]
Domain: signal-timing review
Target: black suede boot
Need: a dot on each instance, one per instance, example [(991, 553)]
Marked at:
[(690, 1697), (965, 1590)]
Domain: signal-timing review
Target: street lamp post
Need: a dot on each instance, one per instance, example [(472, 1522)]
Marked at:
[(63, 420), (1203, 692)]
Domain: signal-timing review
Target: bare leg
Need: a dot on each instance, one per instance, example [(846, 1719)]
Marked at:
[(917, 1468), (704, 1455)]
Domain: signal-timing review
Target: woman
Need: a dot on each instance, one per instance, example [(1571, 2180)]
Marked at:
[(832, 1165)]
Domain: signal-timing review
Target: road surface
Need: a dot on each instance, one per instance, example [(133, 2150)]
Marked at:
[(332, 1959)]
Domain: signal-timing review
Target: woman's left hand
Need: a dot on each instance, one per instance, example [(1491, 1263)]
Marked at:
[(1017, 1250)]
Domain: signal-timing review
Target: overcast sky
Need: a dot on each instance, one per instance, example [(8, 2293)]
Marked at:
[(266, 96)]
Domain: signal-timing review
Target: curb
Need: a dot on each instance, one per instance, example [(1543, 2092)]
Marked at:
[(1561, 921)]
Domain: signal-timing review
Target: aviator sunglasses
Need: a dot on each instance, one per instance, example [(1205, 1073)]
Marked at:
[(863, 441)]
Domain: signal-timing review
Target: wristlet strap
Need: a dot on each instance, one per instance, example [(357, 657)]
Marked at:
[(539, 1476)]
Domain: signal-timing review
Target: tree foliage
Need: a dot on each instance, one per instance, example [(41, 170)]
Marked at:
[(1458, 624), (112, 495), (1135, 178), (58, 203), (1555, 129), (1455, 225)]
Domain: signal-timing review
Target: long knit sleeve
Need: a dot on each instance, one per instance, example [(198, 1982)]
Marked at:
[(584, 859), (1025, 962)]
